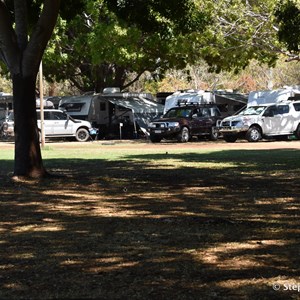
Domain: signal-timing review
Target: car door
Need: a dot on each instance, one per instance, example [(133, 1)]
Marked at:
[(276, 120), (48, 128), (206, 120), (287, 119), (197, 122), (62, 125)]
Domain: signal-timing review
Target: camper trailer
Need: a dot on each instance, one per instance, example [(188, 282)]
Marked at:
[(227, 102), (114, 113)]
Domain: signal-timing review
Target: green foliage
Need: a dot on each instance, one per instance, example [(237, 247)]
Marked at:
[(109, 40), (98, 49), (288, 17), (168, 18)]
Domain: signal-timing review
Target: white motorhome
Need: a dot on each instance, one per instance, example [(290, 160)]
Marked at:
[(111, 110)]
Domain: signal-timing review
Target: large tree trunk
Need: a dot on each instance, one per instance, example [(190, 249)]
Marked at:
[(28, 159), (22, 50)]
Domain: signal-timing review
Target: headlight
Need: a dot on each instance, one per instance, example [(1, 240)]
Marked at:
[(173, 124), (238, 123)]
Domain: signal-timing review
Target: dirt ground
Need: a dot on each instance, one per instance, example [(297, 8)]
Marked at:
[(222, 224)]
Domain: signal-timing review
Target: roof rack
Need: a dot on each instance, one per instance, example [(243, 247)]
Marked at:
[(185, 102)]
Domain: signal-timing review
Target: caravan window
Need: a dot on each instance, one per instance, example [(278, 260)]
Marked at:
[(72, 106)]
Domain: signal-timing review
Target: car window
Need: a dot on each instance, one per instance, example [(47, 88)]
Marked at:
[(297, 106), (283, 109), (177, 113), (205, 112), (57, 115), (271, 111), (216, 112), (46, 115)]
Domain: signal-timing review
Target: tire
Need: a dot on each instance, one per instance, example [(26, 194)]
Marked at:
[(297, 132), (230, 138), (253, 134), (155, 139), (183, 135), (82, 135), (214, 134)]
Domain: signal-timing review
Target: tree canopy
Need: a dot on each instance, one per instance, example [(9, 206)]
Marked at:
[(111, 39), (288, 17), (99, 48)]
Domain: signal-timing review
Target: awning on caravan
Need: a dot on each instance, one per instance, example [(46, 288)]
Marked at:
[(144, 110)]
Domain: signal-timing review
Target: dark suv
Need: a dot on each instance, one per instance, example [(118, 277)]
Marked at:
[(184, 121)]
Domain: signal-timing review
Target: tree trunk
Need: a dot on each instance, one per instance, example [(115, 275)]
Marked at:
[(28, 158)]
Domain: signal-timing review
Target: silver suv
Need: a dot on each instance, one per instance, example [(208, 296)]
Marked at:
[(277, 120), (56, 124)]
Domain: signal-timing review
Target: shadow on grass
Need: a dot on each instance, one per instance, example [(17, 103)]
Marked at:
[(221, 225)]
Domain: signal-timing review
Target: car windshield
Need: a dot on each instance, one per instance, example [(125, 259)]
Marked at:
[(178, 113), (252, 110)]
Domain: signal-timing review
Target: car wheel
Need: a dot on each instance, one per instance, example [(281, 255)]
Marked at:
[(253, 134), (230, 138), (214, 134), (184, 135), (297, 132), (155, 139), (82, 135)]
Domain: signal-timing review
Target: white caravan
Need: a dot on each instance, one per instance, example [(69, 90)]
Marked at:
[(112, 110)]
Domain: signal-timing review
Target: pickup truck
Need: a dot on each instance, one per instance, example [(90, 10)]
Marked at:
[(184, 121)]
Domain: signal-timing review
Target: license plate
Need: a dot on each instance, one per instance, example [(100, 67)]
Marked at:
[(157, 131)]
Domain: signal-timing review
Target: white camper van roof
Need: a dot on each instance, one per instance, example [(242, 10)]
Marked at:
[(272, 96)]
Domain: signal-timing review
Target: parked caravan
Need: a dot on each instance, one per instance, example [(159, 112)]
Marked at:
[(114, 112), (227, 102), (6, 104)]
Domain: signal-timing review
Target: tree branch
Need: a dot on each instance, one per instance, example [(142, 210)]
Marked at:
[(20, 8), (40, 36), (8, 40)]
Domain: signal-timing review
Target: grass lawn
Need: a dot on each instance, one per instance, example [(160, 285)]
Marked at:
[(143, 221)]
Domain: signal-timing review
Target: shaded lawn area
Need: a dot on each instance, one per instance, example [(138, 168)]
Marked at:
[(201, 225)]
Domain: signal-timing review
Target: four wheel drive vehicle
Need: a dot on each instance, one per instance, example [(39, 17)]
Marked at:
[(56, 124), (278, 120), (183, 122)]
